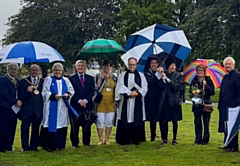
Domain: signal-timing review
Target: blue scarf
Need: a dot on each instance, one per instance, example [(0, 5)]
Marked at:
[(53, 110)]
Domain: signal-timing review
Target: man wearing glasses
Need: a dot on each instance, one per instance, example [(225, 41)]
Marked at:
[(130, 91), (9, 106)]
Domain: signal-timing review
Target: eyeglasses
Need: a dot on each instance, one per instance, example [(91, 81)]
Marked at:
[(57, 70), (13, 69), (200, 70), (131, 64), (154, 63)]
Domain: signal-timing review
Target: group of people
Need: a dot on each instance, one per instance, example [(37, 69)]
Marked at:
[(49, 105)]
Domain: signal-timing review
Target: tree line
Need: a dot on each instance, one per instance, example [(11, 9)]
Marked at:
[(211, 26)]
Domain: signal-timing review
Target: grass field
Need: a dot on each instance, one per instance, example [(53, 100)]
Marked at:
[(146, 154)]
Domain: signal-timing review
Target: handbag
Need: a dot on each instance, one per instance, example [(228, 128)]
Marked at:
[(86, 118), (98, 96), (208, 108)]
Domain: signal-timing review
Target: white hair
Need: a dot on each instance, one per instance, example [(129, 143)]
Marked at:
[(12, 64), (81, 61), (55, 65), (229, 58), (34, 65)]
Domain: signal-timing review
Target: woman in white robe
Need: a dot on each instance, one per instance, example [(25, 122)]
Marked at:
[(56, 92)]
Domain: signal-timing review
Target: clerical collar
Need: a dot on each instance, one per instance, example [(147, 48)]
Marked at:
[(58, 78), (11, 77)]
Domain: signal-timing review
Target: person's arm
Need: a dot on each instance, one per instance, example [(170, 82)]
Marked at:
[(5, 94)]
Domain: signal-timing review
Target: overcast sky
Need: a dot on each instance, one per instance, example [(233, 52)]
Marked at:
[(7, 9)]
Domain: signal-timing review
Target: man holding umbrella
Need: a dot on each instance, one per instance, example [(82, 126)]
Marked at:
[(229, 97), (153, 95)]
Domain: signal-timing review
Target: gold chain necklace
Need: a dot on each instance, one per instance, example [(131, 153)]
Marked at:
[(10, 79), (36, 92)]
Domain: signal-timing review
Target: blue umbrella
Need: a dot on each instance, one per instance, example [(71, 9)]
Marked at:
[(29, 51), (154, 40)]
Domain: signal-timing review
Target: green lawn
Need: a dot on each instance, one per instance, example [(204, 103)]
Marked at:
[(148, 153)]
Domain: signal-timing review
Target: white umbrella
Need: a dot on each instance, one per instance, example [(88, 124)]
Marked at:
[(29, 51)]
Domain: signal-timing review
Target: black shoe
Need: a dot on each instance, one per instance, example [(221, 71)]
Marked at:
[(152, 139), (231, 150), (223, 147), (164, 142), (205, 143), (197, 143)]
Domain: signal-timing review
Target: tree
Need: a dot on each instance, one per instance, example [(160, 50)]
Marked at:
[(64, 24), (212, 28), (139, 14)]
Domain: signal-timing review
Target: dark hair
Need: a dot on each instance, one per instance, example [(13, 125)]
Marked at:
[(107, 63), (131, 59), (156, 59), (201, 66)]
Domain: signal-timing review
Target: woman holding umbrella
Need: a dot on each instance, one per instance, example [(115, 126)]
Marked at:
[(203, 88), (170, 104)]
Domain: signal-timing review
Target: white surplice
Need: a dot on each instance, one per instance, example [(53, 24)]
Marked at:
[(122, 89), (62, 112)]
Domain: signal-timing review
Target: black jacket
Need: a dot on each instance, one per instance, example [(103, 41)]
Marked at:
[(208, 92), (31, 103), (82, 93), (229, 96)]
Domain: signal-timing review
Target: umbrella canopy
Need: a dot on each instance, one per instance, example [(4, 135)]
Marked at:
[(29, 51), (214, 70), (162, 57), (102, 46), (154, 40), (232, 124)]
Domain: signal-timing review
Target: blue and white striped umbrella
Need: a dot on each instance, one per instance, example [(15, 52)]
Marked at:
[(154, 40), (29, 51)]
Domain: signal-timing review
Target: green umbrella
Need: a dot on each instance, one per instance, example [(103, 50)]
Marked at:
[(102, 46)]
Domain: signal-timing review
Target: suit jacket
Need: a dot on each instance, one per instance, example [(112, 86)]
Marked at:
[(31, 103), (8, 93), (82, 93)]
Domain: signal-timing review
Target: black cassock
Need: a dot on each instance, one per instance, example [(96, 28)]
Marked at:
[(133, 132)]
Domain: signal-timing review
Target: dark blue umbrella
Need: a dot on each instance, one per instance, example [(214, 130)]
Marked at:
[(154, 40)]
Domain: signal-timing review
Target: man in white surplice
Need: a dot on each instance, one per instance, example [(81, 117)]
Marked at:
[(130, 91)]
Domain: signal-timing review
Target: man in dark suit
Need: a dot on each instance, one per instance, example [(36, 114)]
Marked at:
[(83, 85), (30, 93), (9, 106), (229, 97)]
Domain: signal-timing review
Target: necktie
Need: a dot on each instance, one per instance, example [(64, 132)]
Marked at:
[(81, 80), (34, 81)]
